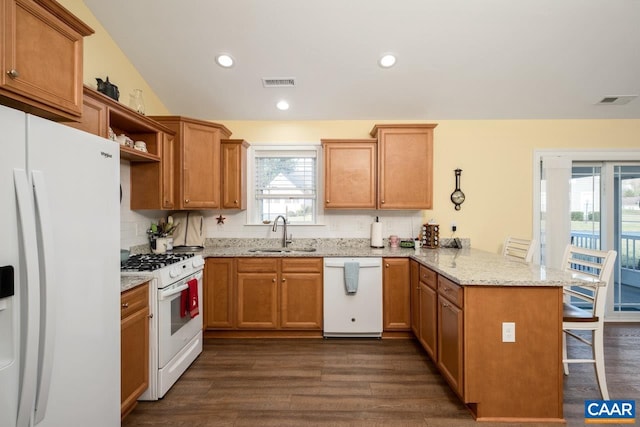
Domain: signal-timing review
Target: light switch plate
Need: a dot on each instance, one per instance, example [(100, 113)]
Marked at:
[(508, 332)]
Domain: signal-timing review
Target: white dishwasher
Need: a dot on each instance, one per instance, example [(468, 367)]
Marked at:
[(356, 314)]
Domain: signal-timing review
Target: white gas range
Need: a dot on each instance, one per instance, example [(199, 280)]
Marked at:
[(175, 335)]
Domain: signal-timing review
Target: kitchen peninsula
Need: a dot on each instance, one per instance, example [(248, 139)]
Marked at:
[(466, 298)]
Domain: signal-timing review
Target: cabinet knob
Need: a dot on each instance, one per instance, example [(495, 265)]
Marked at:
[(14, 74), (284, 280), (382, 202), (328, 201), (273, 280), (235, 202), (125, 305), (386, 265), (187, 200)]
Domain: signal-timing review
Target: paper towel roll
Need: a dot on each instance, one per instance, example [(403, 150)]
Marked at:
[(376, 235)]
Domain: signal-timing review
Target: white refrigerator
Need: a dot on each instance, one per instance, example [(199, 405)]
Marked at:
[(59, 275)]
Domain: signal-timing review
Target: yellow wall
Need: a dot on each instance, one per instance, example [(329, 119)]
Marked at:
[(495, 156), (102, 58)]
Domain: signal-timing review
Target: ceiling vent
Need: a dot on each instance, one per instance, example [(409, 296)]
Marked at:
[(616, 100), (279, 82)]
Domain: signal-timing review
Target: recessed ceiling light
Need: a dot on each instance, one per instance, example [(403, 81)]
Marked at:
[(387, 60), (282, 105), (225, 60)]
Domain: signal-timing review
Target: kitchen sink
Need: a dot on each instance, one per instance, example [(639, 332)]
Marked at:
[(281, 250)]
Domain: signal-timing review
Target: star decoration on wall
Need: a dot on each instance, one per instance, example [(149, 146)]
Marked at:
[(220, 219)]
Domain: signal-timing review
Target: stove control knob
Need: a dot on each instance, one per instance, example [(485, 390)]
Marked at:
[(174, 272), (198, 262)]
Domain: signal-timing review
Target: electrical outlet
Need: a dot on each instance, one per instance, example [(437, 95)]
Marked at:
[(508, 332), (454, 227)]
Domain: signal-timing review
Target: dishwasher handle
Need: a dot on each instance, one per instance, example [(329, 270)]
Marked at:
[(340, 264)]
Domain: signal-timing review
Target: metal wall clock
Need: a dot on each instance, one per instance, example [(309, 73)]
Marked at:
[(457, 197)]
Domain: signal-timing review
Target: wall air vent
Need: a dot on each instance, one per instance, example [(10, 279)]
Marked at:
[(279, 82), (616, 100)]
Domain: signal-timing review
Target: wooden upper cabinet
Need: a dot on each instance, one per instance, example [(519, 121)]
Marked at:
[(405, 166), (349, 173), (196, 161), (234, 173), (42, 48)]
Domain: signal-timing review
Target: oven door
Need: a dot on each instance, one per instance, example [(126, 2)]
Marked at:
[(175, 330)]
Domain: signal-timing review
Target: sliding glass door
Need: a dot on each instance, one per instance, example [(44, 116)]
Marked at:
[(605, 214), (626, 227)]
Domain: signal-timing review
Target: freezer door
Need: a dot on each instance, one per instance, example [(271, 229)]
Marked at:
[(12, 137), (76, 183)]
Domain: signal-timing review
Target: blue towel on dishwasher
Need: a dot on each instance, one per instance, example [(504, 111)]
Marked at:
[(351, 270)]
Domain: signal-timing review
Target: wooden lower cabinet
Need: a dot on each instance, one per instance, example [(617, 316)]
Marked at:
[(263, 294), (414, 271), (460, 327), (219, 293), (301, 293), (450, 343), (428, 320), (134, 341), (396, 294)]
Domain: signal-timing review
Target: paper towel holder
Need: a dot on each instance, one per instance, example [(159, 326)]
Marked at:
[(376, 234)]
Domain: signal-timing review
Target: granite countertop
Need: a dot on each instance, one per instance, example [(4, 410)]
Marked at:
[(475, 267), (130, 282)]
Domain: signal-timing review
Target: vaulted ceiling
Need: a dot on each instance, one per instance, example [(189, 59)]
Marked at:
[(456, 59)]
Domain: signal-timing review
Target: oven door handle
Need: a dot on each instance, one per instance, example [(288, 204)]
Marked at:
[(167, 294)]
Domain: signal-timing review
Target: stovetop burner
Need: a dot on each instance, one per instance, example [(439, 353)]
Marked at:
[(151, 262)]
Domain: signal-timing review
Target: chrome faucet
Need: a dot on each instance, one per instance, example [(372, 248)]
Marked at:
[(285, 241)]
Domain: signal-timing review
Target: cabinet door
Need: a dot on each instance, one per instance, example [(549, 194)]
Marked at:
[(301, 300), (43, 57), (396, 283), (257, 300), (219, 296), (134, 346), (405, 167), (349, 174), (415, 297), (234, 173), (450, 343), (200, 167), (428, 318), (167, 166)]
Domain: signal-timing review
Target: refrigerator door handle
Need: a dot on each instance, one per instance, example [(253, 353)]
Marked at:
[(48, 297), (31, 322)]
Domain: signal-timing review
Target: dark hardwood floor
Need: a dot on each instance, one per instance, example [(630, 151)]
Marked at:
[(351, 382)]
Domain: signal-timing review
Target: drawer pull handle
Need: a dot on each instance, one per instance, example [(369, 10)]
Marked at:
[(14, 74)]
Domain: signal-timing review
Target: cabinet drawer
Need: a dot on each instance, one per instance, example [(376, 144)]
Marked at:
[(450, 290), (250, 265), (429, 277), (134, 300), (301, 265)]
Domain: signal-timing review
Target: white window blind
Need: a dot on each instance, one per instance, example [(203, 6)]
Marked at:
[(285, 183)]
